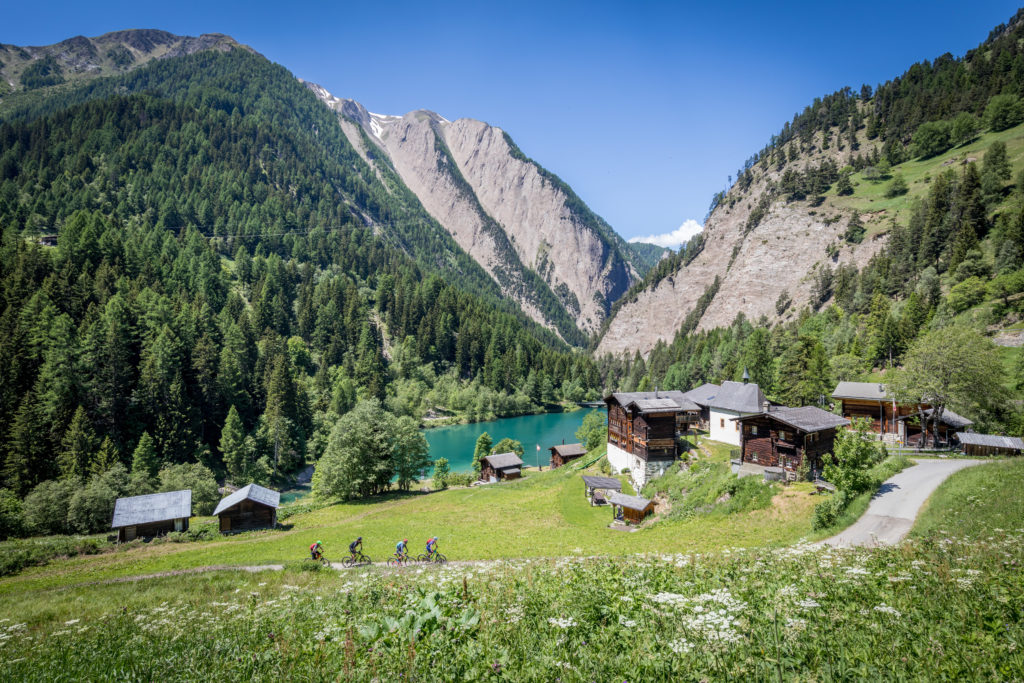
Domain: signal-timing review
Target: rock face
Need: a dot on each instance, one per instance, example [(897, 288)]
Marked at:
[(527, 229), (780, 255), (111, 53)]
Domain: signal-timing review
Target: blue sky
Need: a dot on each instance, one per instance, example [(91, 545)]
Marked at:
[(644, 108)]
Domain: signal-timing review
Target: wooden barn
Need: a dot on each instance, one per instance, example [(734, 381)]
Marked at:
[(644, 429), (630, 509), (152, 515), (501, 466), (894, 421), (786, 437), (702, 396), (250, 507), (597, 488), (990, 444), (912, 433), (565, 453)]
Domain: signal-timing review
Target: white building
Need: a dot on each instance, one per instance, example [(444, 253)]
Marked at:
[(732, 400)]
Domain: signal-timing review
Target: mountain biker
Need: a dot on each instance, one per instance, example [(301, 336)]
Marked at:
[(431, 546), (355, 546), (400, 549), (316, 551)]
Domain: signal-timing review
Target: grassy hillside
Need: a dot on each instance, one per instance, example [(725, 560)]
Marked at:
[(943, 607), (975, 503), (544, 515)]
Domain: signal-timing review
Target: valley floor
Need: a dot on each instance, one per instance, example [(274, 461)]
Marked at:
[(945, 604)]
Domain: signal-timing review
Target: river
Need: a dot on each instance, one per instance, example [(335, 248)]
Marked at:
[(546, 430)]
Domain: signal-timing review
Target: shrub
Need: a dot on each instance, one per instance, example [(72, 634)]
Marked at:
[(932, 138), (1003, 111), (624, 470), (856, 451), (441, 473), (897, 187), (461, 478), (603, 467), (18, 554), (45, 508), (11, 523), (195, 477), (92, 506), (827, 511), (968, 293)]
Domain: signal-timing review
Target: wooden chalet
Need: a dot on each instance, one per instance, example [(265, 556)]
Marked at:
[(892, 420), (565, 453), (643, 431), (630, 509), (990, 444), (597, 488), (501, 466), (152, 515), (787, 437), (702, 396), (250, 507)]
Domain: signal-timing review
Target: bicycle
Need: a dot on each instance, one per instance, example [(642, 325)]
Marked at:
[(433, 557), (357, 560), (399, 560)]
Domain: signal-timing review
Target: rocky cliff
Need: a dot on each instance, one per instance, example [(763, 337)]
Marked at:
[(763, 249), (530, 232)]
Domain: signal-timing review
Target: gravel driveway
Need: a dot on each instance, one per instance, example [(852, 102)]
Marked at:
[(894, 508)]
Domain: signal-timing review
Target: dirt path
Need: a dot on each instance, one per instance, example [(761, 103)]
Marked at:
[(894, 508)]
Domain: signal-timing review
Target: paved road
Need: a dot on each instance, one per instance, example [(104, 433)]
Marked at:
[(894, 508)]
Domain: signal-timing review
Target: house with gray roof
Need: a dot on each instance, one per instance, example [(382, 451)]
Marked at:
[(703, 396), (990, 444), (789, 438), (732, 400), (896, 420), (565, 453), (644, 430), (250, 507), (499, 466), (151, 515)]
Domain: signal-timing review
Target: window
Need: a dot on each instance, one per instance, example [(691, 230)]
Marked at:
[(722, 423), (737, 426)]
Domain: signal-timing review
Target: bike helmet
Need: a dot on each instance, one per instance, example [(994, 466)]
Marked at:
[(319, 542), (405, 540), (360, 538)]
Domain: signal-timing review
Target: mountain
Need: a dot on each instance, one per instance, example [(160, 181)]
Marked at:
[(80, 58), (525, 226), (774, 242)]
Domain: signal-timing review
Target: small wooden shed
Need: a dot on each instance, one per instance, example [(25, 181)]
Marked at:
[(501, 466), (989, 444), (630, 509), (250, 507), (565, 453), (597, 488), (152, 515)]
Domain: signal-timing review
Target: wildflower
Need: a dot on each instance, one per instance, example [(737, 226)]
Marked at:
[(628, 623), (567, 622), (69, 622), (680, 646), (808, 604), (885, 609)]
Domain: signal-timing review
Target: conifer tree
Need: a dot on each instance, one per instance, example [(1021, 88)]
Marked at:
[(145, 460), (78, 447), (482, 450), (233, 447)]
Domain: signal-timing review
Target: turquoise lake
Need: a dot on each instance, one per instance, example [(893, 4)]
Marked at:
[(458, 441)]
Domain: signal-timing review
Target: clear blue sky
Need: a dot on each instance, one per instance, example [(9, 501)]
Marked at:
[(644, 108)]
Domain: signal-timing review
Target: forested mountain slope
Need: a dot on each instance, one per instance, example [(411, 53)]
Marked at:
[(780, 238), (526, 227), (230, 276)]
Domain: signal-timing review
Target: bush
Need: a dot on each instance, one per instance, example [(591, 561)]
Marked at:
[(856, 452), (195, 477), (461, 478), (92, 507), (603, 467), (1003, 111), (19, 554), (932, 138), (827, 511), (11, 522), (968, 293), (897, 187), (45, 509), (624, 470)]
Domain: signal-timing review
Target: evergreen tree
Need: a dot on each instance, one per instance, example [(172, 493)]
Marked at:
[(482, 450), (804, 375), (145, 461), (232, 446), (78, 447)]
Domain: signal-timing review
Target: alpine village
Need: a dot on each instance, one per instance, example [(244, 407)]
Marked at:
[(292, 390)]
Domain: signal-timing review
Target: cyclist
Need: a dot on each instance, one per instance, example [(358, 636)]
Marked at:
[(354, 547), (431, 546), (400, 549), (316, 551)]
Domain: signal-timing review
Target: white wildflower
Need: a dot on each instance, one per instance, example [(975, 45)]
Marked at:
[(808, 603), (680, 646), (885, 609), (628, 623), (69, 622), (567, 622)]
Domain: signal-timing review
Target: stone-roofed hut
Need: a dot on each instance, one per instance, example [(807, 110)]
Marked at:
[(990, 444), (250, 507), (565, 453), (702, 396), (630, 509), (643, 430), (151, 515), (501, 466), (597, 488), (787, 437)]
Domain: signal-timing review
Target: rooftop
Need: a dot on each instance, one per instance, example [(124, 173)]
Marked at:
[(868, 391), (155, 507), (655, 401), (993, 440), (703, 394), (631, 502), (738, 397), (610, 483), (808, 419), (569, 450), (501, 461), (948, 418), (253, 492)]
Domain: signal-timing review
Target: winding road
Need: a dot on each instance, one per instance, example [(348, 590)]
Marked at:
[(894, 507)]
